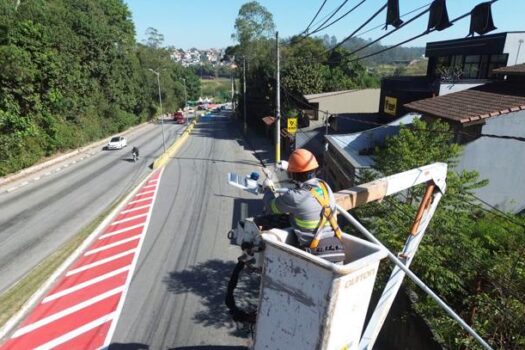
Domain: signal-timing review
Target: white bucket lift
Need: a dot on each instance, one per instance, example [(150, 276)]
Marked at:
[(308, 303)]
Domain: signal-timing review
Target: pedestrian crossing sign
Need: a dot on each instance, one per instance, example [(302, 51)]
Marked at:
[(292, 125)]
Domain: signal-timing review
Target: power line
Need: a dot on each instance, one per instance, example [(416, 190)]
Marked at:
[(359, 28), (313, 19), (428, 31), (403, 15), (332, 15), (390, 32), (338, 19)]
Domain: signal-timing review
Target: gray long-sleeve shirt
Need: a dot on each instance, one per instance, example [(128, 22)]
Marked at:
[(305, 211)]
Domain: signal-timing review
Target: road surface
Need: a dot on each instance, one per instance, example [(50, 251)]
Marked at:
[(38, 218), (176, 297)]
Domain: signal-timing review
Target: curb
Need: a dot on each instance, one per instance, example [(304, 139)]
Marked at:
[(37, 167), (30, 303), (164, 157)]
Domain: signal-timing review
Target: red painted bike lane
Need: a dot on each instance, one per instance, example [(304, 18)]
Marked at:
[(81, 310)]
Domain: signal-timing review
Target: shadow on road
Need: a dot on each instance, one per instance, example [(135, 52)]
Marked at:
[(209, 281), (128, 346)]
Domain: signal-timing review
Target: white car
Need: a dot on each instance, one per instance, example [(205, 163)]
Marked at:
[(117, 142)]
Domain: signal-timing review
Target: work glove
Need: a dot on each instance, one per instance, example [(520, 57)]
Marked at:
[(268, 184)]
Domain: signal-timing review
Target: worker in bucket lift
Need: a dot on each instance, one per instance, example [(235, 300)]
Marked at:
[(311, 208)]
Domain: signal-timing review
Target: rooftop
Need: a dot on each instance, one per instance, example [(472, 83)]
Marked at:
[(356, 147), (518, 69), (472, 105)]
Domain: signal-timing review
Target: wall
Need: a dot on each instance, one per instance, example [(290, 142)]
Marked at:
[(448, 88), (514, 49), (351, 101), (500, 161)]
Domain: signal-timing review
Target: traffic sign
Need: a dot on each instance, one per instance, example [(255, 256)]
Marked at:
[(292, 125)]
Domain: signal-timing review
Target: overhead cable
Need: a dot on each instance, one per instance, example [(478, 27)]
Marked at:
[(313, 19), (360, 27), (428, 31), (338, 19), (391, 32), (332, 15)]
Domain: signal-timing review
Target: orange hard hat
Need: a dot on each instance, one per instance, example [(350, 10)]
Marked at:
[(302, 160)]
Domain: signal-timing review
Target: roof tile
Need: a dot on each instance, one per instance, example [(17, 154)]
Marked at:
[(483, 101)]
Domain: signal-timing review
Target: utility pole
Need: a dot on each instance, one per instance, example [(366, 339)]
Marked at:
[(160, 104), (278, 107), (244, 93)]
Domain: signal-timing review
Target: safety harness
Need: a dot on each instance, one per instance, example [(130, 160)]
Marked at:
[(327, 214)]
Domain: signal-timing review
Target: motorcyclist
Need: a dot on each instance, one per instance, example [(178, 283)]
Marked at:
[(311, 208), (135, 152)]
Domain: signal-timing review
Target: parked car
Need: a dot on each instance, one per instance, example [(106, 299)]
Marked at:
[(117, 142)]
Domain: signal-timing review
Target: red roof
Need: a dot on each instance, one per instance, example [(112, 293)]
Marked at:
[(518, 69), (474, 104), (268, 120)]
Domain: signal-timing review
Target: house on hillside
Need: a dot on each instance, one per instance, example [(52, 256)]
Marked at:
[(348, 155), (336, 112), (484, 120), (453, 65), (487, 120)]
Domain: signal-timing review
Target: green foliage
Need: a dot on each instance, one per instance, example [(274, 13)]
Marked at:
[(472, 257), (72, 73)]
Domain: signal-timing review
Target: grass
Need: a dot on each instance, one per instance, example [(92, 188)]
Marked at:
[(217, 88), (14, 298)]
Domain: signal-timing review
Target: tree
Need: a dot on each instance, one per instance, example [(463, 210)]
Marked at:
[(469, 254), (154, 38), (254, 22)]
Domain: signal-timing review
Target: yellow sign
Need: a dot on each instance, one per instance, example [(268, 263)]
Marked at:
[(292, 125), (390, 105)]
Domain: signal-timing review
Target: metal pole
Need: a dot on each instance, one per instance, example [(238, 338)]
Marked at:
[(161, 114), (278, 107), (413, 277), (244, 92)]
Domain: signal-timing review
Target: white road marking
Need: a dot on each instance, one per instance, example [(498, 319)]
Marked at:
[(140, 200), (100, 262), (128, 219), (150, 186), (75, 333), (68, 311), (85, 284), (135, 208), (111, 245), (145, 192), (126, 229)]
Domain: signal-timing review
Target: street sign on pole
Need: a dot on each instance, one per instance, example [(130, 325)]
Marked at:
[(292, 125)]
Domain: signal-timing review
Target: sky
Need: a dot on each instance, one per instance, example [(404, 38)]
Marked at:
[(209, 23)]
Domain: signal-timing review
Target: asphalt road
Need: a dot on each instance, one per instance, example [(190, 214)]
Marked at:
[(38, 218), (176, 297)]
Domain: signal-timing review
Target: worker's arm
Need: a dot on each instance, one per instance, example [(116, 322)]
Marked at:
[(285, 203)]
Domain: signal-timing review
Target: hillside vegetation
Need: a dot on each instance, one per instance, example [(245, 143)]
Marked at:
[(72, 73)]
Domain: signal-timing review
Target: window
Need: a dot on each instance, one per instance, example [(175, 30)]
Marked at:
[(471, 67), (442, 63), (497, 61)]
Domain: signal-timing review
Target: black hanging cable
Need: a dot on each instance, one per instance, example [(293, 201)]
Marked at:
[(403, 15), (332, 15), (359, 28), (338, 19), (390, 32), (313, 19), (428, 31)]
